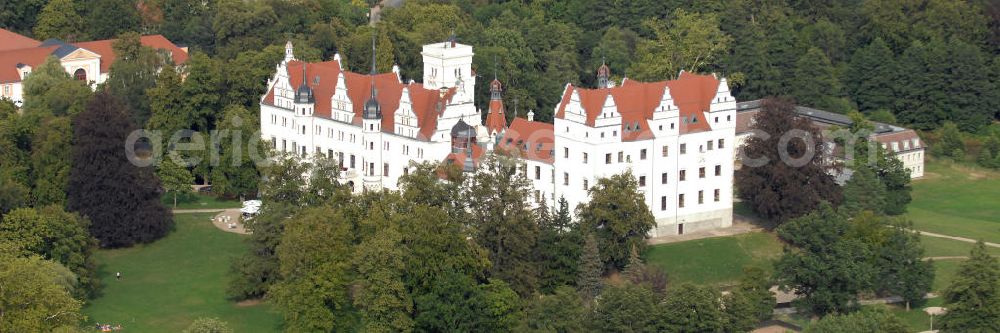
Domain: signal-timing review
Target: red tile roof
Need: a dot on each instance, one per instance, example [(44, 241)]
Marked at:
[(496, 119), (105, 49), (900, 137), (636, 101), (458, 158), (34, 56), (388, 89), (534, 140), (10, 40)]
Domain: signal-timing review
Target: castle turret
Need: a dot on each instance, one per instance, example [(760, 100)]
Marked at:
[(371, 123), (603, 76)]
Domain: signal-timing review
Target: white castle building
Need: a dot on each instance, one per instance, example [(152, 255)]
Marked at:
[(677, 137)]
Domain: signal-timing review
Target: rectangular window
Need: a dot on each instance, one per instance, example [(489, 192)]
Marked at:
[(711, 145), (682, 176), (538, 172), (607, 159), (701, 172), (371, 169), (565, 178), (663, 203), (701, 197), (274, 143), (680, 200), (584, 158), (684, 148), (621, 157), (716, 195), (642, 154), (352, 161), (586, 184), (340, 159), (722, 143), (718, 170), (642, 180), (665, 150), (565, 152), (663, 178)]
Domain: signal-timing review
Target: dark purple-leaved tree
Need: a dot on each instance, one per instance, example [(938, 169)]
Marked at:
[(121, 199), (786, 166)]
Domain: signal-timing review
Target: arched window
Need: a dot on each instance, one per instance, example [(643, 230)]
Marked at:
[(80, 74)]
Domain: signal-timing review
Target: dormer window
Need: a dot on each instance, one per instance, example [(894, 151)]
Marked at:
[(79, 75)]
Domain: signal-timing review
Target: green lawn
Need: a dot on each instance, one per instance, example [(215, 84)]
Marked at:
[(714, 261), (916, 318), (199, 201), (957, 200), (168, 284)]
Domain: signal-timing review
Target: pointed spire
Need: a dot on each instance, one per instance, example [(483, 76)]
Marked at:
[(372, 108), (603, 75)]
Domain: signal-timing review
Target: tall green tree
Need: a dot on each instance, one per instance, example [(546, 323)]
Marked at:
[(35, 297), (50, 161), (167, 108), (626, 308), (780, 188), (561, 311), (870, 78), (691, 308), (902, 270), (815, 82), (315, 258), (202, 90), (133, 73), (50, 90), (863, 192), (689, 41), (382, 298), (56, 235), (973, 298), (750, 303), (560, 243), (60, 19), (121, 199), (590, 269), (106, 19), (175, 178), (876, 320), (236, 172), (502, 220), (618, 216)]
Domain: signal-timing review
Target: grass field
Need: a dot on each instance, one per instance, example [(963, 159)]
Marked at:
[(168, 284), (714, 261), (957, 200), (199, 201)]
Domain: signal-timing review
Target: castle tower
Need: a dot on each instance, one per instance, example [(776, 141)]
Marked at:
[(603, 76), (496, 118), (372, 134), (449, 64)]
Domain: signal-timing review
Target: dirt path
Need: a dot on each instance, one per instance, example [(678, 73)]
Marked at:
[(960, 239), (199, 210)]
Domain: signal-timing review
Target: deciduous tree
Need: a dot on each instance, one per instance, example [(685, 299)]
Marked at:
[(175, 178), (60, 19), (691, 308), (973, 298), (782, 180), (121, 199), (618, 216), (35, 297), (56, 235), (690, 41)]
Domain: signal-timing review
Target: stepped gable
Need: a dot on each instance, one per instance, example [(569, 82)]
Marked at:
[(428, 104), (636, 101)]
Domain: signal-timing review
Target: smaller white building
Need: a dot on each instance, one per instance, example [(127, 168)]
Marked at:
[(903, 142), (86, 61)]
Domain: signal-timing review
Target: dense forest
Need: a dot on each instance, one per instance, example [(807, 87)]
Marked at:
[(915, 62)]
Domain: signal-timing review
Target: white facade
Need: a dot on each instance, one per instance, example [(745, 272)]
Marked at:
[(658, 139)]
